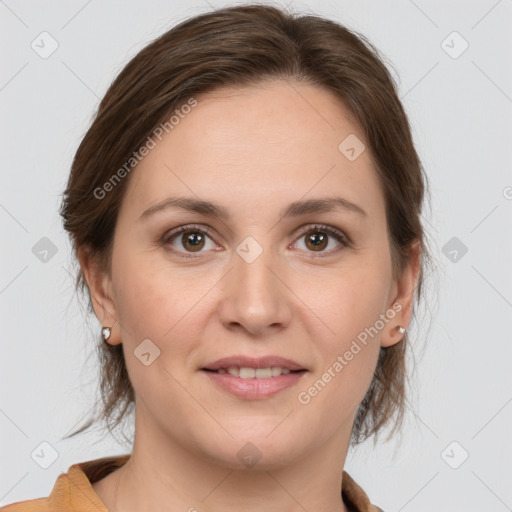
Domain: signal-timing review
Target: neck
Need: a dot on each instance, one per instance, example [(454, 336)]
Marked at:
[(164, 475)]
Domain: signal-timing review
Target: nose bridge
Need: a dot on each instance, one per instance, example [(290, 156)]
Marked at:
[(255, 296), (252, 272)]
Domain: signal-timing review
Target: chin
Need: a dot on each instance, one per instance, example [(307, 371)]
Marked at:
[(253, 456), (259, 446)]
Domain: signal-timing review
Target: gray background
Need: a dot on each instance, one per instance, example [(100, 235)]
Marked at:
[(460, 107)]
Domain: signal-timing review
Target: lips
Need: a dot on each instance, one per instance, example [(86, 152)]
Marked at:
[(245, 372), (252, 378), (255, 363)]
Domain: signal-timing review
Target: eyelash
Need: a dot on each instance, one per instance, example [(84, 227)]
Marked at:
[(335, 233)]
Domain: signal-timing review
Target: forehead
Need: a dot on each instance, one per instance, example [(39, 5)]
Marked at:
[(252, 147)]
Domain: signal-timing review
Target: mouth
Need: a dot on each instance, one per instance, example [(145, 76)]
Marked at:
[(254, 378), (246, 372)]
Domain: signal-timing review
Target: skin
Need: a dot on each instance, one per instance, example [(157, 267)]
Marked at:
[(254, 151)]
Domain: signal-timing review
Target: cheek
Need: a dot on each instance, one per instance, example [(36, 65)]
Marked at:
[(156, 302), (353, 309), (351, 303), (152, 306), (349, 354), (144, 303)]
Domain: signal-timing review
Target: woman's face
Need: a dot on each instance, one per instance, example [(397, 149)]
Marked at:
[(266, 280)]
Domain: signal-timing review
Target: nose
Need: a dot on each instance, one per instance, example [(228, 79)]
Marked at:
[(255, 297)]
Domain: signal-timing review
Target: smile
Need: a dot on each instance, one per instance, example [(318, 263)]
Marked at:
[(252, 383), (245, 372)]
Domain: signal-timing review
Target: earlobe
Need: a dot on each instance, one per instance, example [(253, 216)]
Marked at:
[(403, 299), (394, 333), (100, 289)]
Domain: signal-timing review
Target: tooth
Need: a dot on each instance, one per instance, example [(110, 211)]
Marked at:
[(251, 373), (247, 373), (232, 370), (263, 373)]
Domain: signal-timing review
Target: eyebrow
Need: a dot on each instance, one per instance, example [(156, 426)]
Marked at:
[(295, 209)]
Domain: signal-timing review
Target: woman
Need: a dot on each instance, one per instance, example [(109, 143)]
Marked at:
[(245, 210)]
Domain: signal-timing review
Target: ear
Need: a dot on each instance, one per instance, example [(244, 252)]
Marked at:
[(100, 288), (402, 298)]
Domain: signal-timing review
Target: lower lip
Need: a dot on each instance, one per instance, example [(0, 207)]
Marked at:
[(254, 388)]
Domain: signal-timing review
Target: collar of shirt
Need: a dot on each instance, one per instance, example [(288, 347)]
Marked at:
[(73, 491)]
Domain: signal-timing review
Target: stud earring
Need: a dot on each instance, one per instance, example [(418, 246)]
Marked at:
[(105, 331), (401, 329)]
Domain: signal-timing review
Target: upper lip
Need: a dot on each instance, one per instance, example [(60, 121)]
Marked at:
[(240, 361)]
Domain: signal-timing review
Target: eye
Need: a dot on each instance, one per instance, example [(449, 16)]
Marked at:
[(317, 238), (193, 239)]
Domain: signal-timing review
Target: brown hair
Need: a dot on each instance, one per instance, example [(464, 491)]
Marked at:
[(239, 46)]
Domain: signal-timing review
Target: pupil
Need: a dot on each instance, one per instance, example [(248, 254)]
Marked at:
[(317, 240), (194, 240)]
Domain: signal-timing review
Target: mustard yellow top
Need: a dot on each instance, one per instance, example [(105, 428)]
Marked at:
[(73, 491)]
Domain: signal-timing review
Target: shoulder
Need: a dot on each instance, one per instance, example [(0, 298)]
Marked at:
[(59, 497), (72, 490), (354, 496), (33, 505)]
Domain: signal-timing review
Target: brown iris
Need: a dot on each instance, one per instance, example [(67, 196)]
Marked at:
[(318, 240), (194, 238)]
